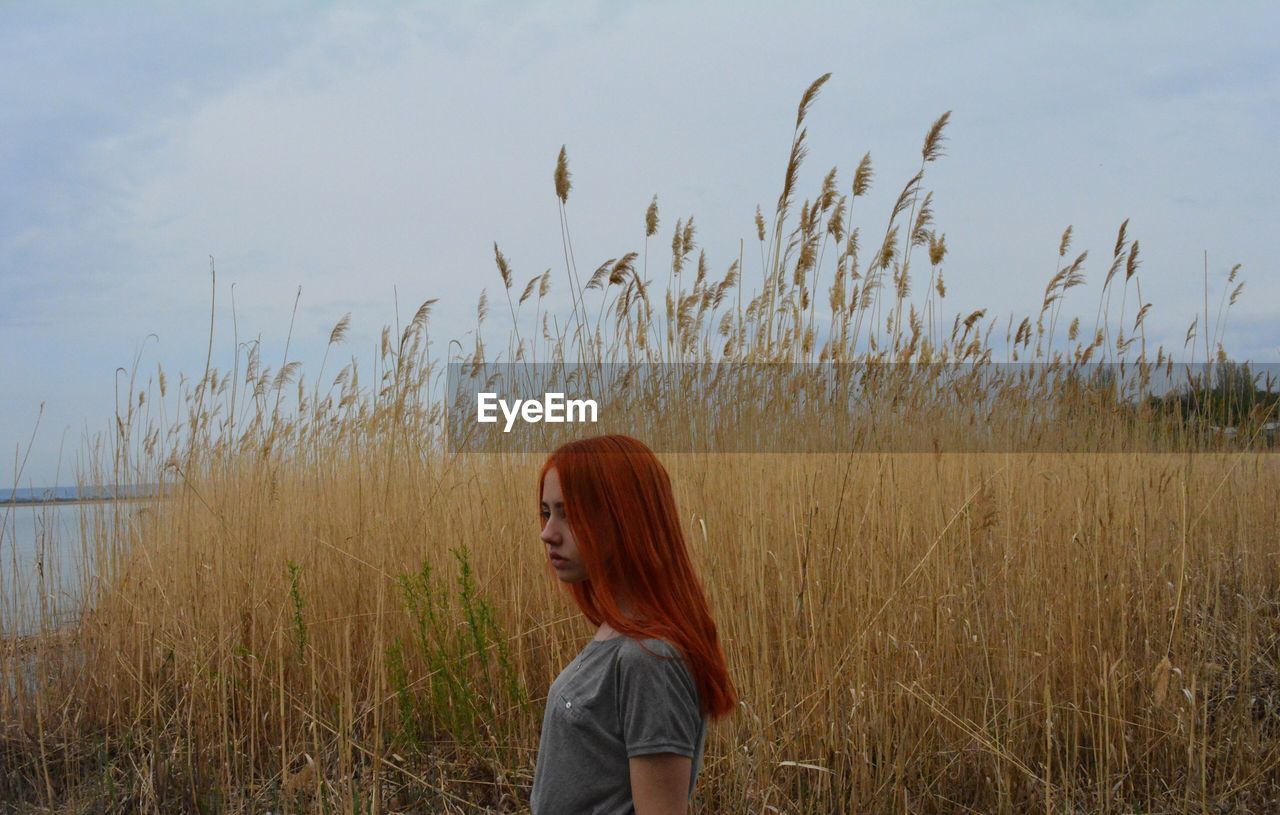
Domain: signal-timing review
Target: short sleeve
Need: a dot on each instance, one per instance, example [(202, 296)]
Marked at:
[(657, 701)]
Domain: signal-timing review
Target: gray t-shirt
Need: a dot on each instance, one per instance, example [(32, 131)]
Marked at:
[(614, 701)]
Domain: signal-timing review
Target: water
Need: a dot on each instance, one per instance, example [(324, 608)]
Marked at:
[(38, 495), (41, 563), (43, 550)]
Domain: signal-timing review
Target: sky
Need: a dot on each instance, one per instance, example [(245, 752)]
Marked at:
[(371, 154)]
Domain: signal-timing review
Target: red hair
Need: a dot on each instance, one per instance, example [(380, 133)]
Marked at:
[(618, 498)]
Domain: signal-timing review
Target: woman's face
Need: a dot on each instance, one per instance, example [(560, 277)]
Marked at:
[(562, 549)]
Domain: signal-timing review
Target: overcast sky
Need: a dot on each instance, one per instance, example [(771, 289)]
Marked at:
[(374, 152)]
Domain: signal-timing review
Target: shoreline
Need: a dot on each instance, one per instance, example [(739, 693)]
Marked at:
[(21, 502)]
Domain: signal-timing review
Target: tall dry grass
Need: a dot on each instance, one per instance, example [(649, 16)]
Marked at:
[(330, 611)]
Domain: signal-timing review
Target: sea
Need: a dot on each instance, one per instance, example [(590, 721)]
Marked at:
[(45, 555)]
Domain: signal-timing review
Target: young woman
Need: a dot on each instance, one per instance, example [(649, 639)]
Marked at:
[(625, 723)]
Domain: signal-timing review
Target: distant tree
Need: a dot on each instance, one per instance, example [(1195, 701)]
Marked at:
[(1233, 397)]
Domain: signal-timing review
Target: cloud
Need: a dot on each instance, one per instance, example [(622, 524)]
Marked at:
[(375, 155)]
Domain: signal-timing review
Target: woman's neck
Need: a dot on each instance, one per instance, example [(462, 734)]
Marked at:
[(605, 632), (608, 632)]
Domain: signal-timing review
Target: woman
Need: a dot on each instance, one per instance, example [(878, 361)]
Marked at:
[(625, 723)]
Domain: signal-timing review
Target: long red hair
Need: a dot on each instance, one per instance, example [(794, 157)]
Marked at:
[(618, 498)]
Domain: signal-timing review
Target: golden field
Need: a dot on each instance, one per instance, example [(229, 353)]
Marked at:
[(330, 611)]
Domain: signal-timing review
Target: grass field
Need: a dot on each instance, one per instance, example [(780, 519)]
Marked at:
[(332, 613)]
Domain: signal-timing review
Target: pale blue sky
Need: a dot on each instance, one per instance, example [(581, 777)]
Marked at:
[(359, 150)]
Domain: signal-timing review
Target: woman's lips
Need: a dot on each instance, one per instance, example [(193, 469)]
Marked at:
[(557, 561)]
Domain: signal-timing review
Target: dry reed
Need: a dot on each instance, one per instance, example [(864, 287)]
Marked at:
[(330, 612)]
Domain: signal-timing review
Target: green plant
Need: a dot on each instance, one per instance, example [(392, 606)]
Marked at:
[(295, 596), (454, 634)]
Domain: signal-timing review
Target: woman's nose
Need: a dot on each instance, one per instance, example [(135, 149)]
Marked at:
[(549, 534)]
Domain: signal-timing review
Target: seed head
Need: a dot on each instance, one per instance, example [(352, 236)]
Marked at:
[(1131, 266), (562, 176), (338, 333), (862, 176), (810, 95), (528, 289), (933, 140), (503, 269), (1120, 238)]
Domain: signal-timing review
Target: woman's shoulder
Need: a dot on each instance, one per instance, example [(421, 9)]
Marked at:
[(653, 668), (647, 650)]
